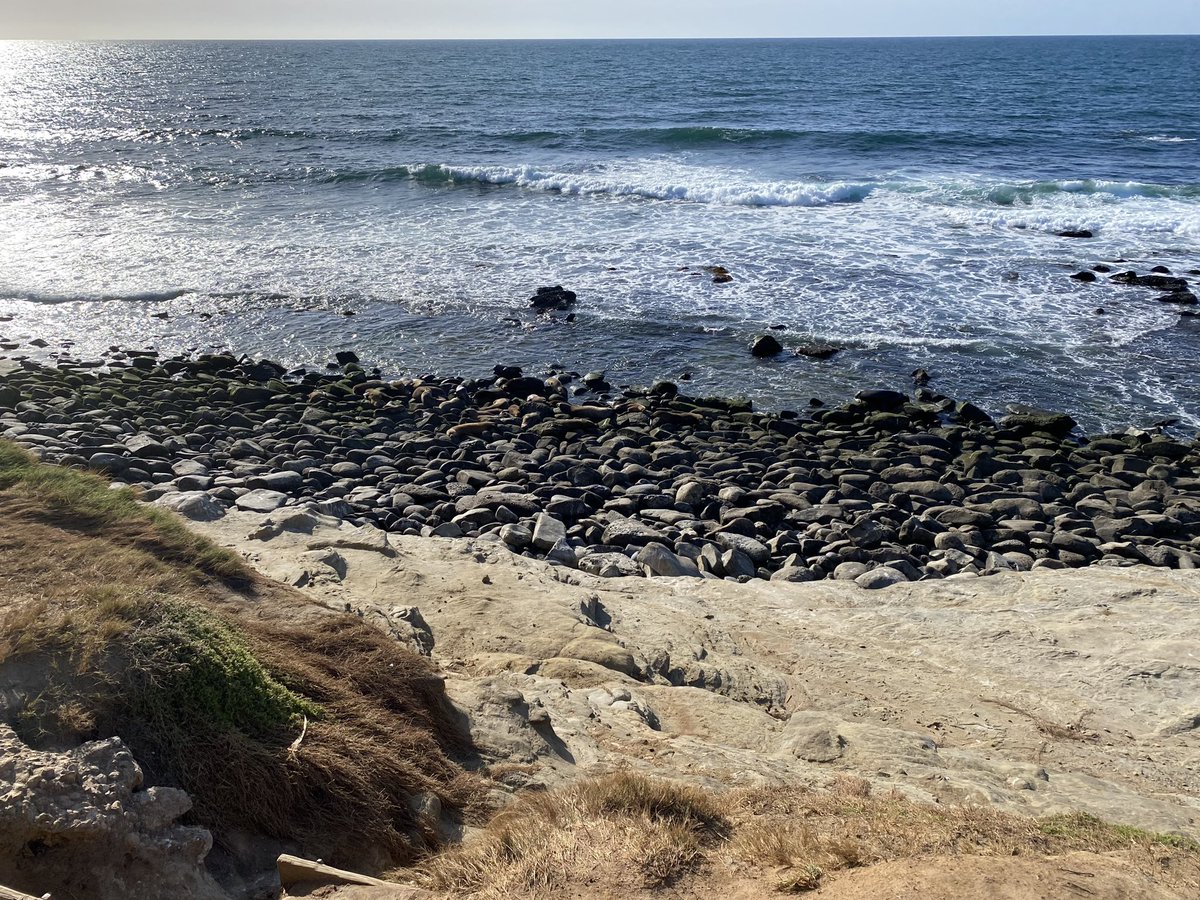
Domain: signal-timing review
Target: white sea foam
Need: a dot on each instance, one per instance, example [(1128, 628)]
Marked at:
[(10, 293), (669, 183)]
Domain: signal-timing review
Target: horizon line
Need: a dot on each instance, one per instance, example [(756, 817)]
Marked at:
[(820, 37)]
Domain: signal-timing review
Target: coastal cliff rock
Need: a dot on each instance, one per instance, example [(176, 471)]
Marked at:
[(83, 821)]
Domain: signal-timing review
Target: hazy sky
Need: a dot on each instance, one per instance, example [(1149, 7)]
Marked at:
[(586, 18)]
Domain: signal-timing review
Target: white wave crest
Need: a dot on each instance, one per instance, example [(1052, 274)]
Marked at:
[(7, 293), (697, 186)]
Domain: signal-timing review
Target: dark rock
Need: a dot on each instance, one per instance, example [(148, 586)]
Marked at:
[(1157, 282), (1087, 277), (1182, 298), (817, 350), (1028, 419), (765, 345), (1076, 233), (883, 400), (346, 358), (555, 297)]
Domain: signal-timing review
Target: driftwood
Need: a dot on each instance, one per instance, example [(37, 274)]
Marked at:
[(296, 870)]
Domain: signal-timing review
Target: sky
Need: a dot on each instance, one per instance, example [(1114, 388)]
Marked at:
[(587, 18)]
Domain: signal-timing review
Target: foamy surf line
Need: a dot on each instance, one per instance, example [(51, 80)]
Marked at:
[(713, 186), (94, 297)]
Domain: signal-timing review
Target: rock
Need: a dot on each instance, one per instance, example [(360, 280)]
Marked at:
[(886, 401), (595, 381), (817, 350), (246, 449), (884, 576), (144, 446), (555, 297), (1076, 233), (735, 564), (329, 558), (765, 346), (1160, 282), (516, 536), (812, 743), (754, 549), (346, 358), (850, 571), (547, 531), (621, 531), (563, 553), (795, 574), (195, 505), (94, 823), (261, 501), (111, 463), (1028, 419), (609, 565), (1180, 298), (603, 651), (277, 481), (661, 561), (1085, 276)]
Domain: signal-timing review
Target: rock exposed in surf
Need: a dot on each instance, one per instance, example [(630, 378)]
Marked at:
[(817, 350), (1076, 233), (1087, 277), (556, 297), (1157, 282), (764, 346)]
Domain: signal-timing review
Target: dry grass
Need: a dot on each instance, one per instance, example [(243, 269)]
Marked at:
[(785, 839), (86, 504), (114, 619), (656, 830)]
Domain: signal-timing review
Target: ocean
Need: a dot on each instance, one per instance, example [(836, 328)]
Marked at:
[(900, 199)]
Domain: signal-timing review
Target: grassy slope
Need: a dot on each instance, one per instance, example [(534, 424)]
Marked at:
[(118, 620)]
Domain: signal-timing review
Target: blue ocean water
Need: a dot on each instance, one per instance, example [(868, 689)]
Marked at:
[(901, 198)]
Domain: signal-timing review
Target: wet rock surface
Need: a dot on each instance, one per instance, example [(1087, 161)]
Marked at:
[(891, 487)]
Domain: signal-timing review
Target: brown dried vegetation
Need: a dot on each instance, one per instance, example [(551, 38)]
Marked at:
[(115, 619), (581, 840)]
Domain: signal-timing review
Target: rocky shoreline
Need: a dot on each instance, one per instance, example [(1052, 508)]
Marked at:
[(885, 489)]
